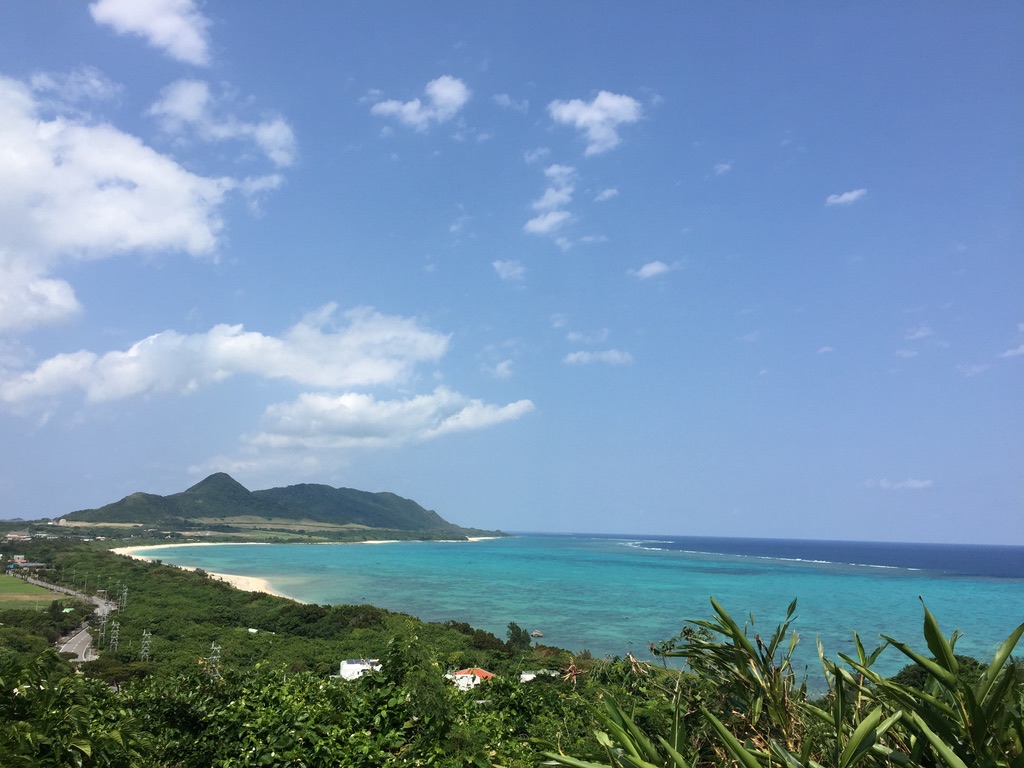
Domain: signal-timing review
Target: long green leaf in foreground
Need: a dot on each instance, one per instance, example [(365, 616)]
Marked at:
[(732, 744)]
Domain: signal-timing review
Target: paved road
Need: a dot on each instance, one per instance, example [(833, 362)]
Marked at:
[(81, 646), (81, 643)]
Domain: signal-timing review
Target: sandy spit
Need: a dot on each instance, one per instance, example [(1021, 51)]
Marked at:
[(244, 583)]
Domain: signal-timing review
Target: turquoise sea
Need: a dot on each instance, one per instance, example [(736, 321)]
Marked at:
[(617, 594)]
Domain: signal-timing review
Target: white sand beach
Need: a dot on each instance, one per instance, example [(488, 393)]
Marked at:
[(250, 584), (245, 583)]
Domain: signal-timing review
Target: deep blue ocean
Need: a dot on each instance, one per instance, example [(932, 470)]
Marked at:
[(617, 594)]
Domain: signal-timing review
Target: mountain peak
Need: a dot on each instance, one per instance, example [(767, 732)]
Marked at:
[(219, 484)]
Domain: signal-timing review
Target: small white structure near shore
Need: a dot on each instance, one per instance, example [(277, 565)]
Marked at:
[(465, 679), (353, 669)]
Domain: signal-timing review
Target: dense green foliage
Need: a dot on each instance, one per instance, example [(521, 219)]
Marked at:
[(240, 679), (739, 703), (220, 497)]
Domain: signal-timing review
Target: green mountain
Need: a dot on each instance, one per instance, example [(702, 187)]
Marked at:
[(222, 503)]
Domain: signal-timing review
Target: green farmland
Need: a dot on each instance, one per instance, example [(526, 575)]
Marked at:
[(15, 593)]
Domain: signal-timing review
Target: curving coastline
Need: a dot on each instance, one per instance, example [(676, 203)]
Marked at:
[(244, 583)]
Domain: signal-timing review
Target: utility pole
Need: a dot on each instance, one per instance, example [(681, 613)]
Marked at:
[(213, 661), (115, 630)]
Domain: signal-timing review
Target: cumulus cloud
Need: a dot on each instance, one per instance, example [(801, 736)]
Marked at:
[(509, 270), (550, 205), (29, 299), (608, 357), (825, 350), (722, 168), (652, 269), (74, 189), (918, 332), (846, 198), (599, 120), (547, 222), (445, 96), (320, 421), (189, 105), (606, 194), (502, 370), (174, 26), (366, 348)]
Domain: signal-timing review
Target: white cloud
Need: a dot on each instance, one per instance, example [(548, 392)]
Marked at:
[(919, 332), (318, 421), (652, 269), (846, 198), (608, 357), (536, 154), (906, 353), (910, 484), (722, 168), (445, 97), (599, 119), (509, 270), (505, 101), (606, 194), (77, 190), (825, 350), (553, 197), (969, 371), (597, 337), (547, 222), (1015, 352), (84, 84), (366, 349), (189, 104), (29, 299), (175, 26), (550, 204), (502, 370)]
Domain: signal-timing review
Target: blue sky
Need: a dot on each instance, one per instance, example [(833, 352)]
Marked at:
[(710, 269)]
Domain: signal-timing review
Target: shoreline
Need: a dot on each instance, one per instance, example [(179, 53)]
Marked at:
[(244, 583), (250, 583)]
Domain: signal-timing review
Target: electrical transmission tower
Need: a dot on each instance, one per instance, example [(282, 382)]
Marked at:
[(213, 661), (147, 642), (103, 626), (115, 631), (122, 601)]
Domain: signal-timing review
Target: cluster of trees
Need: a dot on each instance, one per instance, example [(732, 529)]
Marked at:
[(267, 698)]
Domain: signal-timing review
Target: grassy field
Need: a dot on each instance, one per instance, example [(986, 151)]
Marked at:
[(15, 593)]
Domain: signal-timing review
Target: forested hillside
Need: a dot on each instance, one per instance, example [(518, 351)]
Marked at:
[(220, 503)]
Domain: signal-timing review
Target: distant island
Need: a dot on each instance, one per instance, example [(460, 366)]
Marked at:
[(221, 508)]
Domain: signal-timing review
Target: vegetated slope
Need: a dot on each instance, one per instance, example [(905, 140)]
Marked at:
[(221, 496), (377, 510)]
